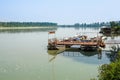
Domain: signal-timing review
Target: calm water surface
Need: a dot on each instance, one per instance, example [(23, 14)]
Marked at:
[(24, 56)]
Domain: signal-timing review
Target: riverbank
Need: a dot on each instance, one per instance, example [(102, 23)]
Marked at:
[(27, 29)]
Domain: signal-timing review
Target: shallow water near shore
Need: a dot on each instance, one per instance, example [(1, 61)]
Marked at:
[(24, 56)]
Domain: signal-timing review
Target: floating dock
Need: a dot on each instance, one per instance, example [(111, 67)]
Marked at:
[(82, 41)]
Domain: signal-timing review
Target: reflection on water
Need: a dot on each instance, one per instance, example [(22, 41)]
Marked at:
[(78, 55), (74, 51), (24, 56)]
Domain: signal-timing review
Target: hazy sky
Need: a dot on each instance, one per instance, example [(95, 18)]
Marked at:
[(60, 11)]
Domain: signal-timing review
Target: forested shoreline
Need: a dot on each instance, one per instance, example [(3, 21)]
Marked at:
[(32, 24), (26, 24), (96, 24), (115, 26), (29, 24)]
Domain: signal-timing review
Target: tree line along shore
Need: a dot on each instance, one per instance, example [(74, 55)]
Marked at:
[(115, 25), (26, 25)]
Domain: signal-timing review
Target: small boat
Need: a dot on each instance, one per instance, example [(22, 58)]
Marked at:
[(105, 30)]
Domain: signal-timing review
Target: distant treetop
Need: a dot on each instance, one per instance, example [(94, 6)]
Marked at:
[(26, 24)]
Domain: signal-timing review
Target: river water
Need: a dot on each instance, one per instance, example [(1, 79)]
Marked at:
[(24, 56)]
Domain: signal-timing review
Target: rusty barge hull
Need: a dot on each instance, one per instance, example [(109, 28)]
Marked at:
[(83, 45), (82, 41)]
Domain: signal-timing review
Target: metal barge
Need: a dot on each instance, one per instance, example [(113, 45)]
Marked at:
[(82, 41)]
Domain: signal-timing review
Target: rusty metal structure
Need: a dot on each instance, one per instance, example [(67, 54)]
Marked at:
[(80, 40)]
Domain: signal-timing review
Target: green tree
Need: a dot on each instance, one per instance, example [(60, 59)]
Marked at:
[(110, 71)]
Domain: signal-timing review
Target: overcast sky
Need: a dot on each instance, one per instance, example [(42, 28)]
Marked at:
[(60, 11)]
